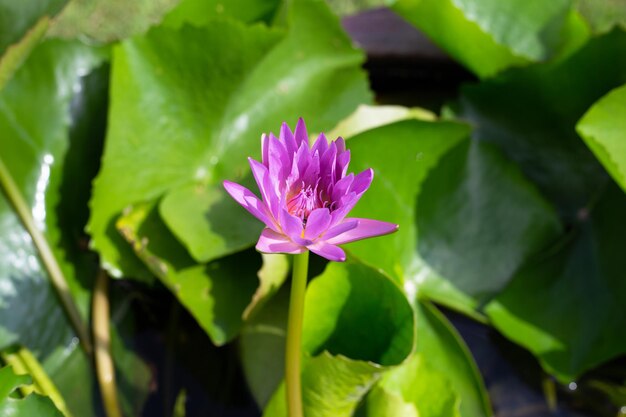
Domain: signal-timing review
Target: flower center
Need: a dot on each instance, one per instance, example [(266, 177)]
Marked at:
[(304, 201)]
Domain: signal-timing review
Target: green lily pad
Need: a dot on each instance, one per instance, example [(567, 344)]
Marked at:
[(172, 125), (53, 114), (603, 128), (35, 121), (488, 36), (568, 308), (472, 236), (530, 115)]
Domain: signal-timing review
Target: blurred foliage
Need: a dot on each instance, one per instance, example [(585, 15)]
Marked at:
[(26, 404), (118, 123), (100, 21)]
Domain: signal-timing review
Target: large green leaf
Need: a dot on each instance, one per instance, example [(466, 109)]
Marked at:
[(488, 36), (218, 294), (473, 235), (357, 324), (22, 24), (35, 123), (52, 118), (531, 113), (603, 128), (173, 125), (201, 12), (568, 308), (31, 405)]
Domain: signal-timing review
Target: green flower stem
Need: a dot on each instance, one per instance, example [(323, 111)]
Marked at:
[(293, 350), (105, 369), (47, 257), (23, 362)]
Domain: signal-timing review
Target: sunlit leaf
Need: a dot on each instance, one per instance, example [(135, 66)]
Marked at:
[(488, 36), (603, 128), (429, 393), (370, 117), (174, 125), (383, 403)]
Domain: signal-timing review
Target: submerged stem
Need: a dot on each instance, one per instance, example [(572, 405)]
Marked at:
[(47, 257), (293, 350), (105, 370)]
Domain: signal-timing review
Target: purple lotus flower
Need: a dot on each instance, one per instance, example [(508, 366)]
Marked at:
[(307, 195)]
